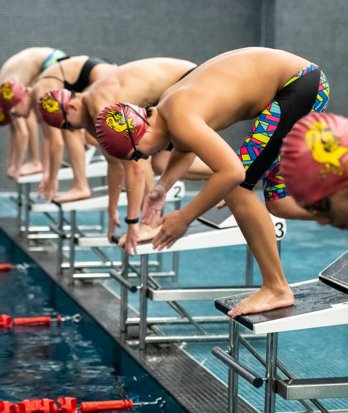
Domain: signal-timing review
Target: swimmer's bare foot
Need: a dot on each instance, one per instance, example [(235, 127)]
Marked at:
[(73, 195), (146, 233), (11, 171), (263, 300), (30, 168)]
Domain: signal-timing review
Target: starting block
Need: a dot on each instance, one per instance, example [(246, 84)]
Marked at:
[(318, 303), (25, 204), (98, 202), (198, 236)]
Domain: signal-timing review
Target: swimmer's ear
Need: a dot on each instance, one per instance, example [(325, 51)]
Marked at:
[(72, 104)]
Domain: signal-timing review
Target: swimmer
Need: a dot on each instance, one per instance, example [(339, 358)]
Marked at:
[(314, 164), (142, 82), (76, 74), (272, 86), (23, 68)]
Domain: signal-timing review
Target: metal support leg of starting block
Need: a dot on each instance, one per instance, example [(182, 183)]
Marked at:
[(273, 383), (72, 244), (147, 282), (19, 205), (270, 376), (23, 195), (235, 370), (75, 232), (26, 209), (124, 294), (231, 359), (271, 371), (60, 241), (232, 374), (143, 301)]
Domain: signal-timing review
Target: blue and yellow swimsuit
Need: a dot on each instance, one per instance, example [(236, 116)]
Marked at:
[(52, 58)]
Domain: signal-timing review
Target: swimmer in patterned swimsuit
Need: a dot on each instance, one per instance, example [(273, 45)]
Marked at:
[(272, 86)]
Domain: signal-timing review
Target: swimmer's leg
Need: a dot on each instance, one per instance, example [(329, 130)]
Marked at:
[(76, 149), (33, 164), (258, 230)]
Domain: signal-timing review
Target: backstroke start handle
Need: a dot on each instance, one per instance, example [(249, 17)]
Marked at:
[(118, 277), (237, 367)]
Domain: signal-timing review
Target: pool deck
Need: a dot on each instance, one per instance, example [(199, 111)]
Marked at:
[(185, 380)]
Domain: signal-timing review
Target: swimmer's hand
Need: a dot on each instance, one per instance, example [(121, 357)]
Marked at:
[(153, 205), (173, 227), (129, 241), (114, 221)]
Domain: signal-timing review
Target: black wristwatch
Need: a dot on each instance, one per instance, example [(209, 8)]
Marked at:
[(131, 221)]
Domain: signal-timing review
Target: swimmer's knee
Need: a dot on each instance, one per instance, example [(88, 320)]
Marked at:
[(275, 207)]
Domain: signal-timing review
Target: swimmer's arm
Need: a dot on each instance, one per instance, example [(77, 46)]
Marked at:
[(178, 164), (115, 175), (46, 157), (135, 184), (193, 132)]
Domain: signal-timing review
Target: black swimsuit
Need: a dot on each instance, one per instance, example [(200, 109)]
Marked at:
[(83, 80)]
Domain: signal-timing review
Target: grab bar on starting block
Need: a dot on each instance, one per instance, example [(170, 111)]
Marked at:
[(237, 367), (117, 275)]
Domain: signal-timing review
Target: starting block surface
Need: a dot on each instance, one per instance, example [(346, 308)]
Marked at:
[(316, 305), (336, 274), (219, 218)]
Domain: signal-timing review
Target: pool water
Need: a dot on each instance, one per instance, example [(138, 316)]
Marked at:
[(56, 361)]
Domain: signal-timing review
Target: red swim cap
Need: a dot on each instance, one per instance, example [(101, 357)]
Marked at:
[(314, 157), (5, 118), (114, 125), (52, 107), (11, 93)]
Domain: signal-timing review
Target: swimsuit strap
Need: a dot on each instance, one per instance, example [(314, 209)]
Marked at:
[(52, 77), (47, 77), (61, 70)]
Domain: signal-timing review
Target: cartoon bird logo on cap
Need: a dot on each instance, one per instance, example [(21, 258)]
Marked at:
[(117, 122), (50, 105), (326, 148), (6, 90)]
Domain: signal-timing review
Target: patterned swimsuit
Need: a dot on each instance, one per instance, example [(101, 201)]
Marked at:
[(307, 91)]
